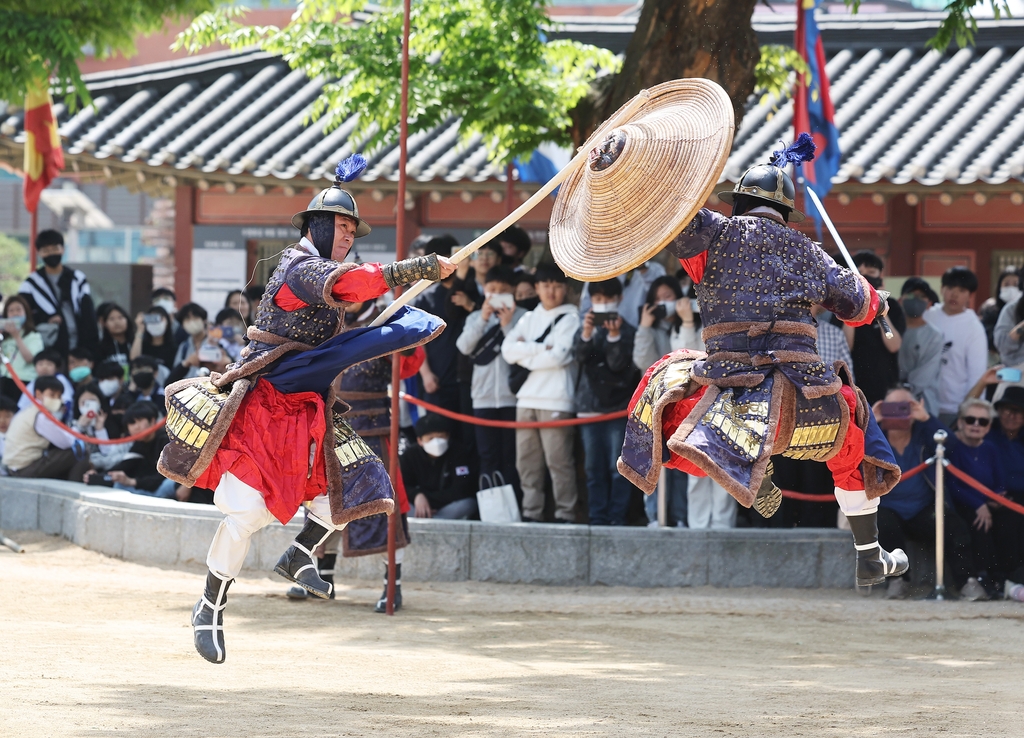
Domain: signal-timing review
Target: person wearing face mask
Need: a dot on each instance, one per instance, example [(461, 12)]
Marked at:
[(80, 365), (154, 337), (440, 478), (875, 357), (196, 352), (659, 322), (920, 356), (144, 385), (276, 440), (21, 342), (61, 298), (1008, 289), (526, 292), (37, 447), (1008, 333)]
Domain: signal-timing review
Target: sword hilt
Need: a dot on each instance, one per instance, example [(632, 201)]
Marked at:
[(885, 326)]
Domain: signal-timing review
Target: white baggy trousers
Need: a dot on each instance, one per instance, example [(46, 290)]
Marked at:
[(245, 512)]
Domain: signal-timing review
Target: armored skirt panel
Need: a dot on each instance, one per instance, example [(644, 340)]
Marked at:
[(730, 432)]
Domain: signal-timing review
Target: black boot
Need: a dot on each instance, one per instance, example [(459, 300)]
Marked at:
[(382, 603), (298, 563), (769, 497), (874, 563), (326, 569), (208, 619)]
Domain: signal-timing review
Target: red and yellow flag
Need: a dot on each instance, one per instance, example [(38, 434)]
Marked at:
[(44, 157)]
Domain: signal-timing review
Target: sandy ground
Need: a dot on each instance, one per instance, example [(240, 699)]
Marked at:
[(94, 646)]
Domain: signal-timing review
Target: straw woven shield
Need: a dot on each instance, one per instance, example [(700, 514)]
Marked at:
[(644, 182)]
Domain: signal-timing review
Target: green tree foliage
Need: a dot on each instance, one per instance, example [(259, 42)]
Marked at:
[(959, 25), (47, 38), (485, 61), (773, 70), (14, 257)]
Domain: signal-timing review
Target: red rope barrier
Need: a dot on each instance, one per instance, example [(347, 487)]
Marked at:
[(831, 498), (509, 423), (80, 436), (968, 479)]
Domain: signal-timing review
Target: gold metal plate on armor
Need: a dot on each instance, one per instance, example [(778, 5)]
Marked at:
[(193, 411), (742, 425), (671, 375), (350, 449), (813, 442)]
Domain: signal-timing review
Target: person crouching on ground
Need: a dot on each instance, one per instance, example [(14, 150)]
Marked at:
[(440, 479)]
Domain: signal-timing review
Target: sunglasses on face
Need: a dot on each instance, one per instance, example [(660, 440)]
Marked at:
[(975, 420)]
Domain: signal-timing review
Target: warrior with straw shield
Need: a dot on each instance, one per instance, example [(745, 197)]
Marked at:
[(761, 388), (267, 434)]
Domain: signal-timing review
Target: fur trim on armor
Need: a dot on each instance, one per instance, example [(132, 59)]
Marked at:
[(861, 316)]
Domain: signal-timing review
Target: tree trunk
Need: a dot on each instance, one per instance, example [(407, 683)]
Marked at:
[(673, 39)]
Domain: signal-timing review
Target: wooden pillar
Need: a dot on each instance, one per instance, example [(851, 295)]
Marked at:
[(184, 217), (902, 259)]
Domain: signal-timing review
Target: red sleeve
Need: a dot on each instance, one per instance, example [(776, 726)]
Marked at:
[(361, 283), (694, 266), (409, 365), (873, 309)]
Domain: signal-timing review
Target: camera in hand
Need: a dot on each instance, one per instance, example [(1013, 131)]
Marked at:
[(606, 317), (660, 311), (895, 415)]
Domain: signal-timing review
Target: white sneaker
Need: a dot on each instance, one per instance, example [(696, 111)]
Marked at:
[(973, 591)]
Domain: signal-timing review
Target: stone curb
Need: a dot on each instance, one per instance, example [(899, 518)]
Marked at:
[(167, 532)]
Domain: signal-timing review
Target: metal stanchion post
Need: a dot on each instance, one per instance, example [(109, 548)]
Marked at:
[(940, 520), (662, 499)]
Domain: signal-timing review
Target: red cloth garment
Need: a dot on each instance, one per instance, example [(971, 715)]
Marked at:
[(876, 304), (410, 364), (694, 266), (671, 419), (845, 466), (268, 447), (359, 284)]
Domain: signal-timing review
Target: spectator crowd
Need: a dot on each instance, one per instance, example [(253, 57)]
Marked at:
[(528, 345)]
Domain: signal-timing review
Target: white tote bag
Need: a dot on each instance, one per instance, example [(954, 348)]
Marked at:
[(497, 501)]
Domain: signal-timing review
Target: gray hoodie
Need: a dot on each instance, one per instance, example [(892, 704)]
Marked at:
[(490, 381)]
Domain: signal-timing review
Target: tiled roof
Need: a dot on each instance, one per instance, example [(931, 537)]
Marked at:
[(905, 115)]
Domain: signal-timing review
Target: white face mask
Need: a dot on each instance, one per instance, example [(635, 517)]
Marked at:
[(194, 326), (436, 446), (167, 305), (670, 306), (606, 307), (1010, 294), (53, 404), (156, 329), (109, 386)]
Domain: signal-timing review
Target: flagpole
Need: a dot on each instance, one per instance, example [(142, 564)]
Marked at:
[(401, 248), (32, 240)]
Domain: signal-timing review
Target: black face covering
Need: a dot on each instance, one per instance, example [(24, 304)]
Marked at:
[(143, 380), (914, 307), (52, 260), (530, 303), (321, 233), (875, 282)]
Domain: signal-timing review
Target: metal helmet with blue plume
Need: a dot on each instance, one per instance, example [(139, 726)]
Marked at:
[(770, 182), (335, 200)]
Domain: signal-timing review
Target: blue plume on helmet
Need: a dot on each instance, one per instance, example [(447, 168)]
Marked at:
[(797, 152), (350, 168)]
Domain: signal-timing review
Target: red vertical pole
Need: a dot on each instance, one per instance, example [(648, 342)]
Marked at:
[(32, 239), (400, 253)]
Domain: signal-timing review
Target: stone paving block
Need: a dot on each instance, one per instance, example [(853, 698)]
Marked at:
[(151, 538), (763, 558), (838, 562), (19, 508), (439, 551), (102, 529), (532, 553), (73, 526), (51, 513), (194, 537), (647, 557)]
